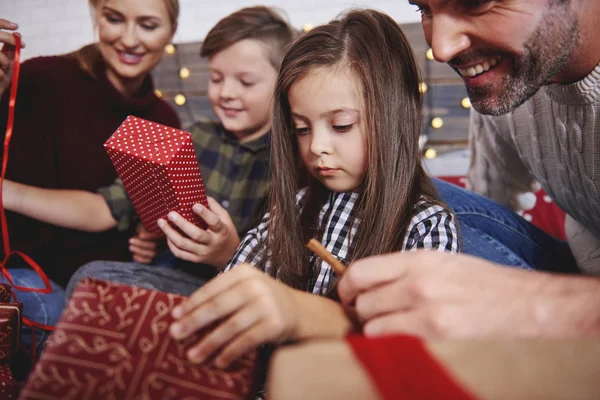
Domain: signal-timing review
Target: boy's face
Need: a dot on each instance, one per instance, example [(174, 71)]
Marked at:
[(504, 50), (240, 88)]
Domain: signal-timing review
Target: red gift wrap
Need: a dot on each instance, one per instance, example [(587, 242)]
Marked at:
[(159, 169), (5, 292), (10, 328), (7, 383), (112, 342)]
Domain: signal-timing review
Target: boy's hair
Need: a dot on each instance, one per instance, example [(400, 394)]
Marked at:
[(259, 23), (374, 49)]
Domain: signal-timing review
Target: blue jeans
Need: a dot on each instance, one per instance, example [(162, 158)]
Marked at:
[(42, 308), (497, 234), (164, 279)]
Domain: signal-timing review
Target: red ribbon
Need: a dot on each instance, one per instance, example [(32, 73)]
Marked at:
[(7, 251)]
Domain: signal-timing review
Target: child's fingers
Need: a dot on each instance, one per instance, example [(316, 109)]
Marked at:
[(224, 334), (143, 244), (9, 40), (142, 252), (183, 254), (216, 217), (214, 287), (4, 62), (217, 308), (142, 259), (249, 340), (192, 231)]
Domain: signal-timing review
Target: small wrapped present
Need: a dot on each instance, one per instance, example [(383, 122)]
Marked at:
[(5, 292), (159, 169), (10, 329), (7, 383), (112, 342)]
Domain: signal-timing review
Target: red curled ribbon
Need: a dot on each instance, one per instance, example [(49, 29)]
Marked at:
[(7, 251)]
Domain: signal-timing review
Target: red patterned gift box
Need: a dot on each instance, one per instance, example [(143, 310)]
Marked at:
[(159, 169), (7, 383), (10, 328), (112, 342)]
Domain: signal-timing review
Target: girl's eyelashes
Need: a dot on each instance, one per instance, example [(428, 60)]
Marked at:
[(343, 128), (301, 131)]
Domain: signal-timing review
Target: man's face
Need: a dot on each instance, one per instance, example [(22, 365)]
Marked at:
[(505, 51)]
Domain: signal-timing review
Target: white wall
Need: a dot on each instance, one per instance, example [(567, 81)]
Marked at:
[(59, 26)]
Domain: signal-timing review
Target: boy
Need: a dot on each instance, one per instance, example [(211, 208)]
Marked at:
[(244, 51)]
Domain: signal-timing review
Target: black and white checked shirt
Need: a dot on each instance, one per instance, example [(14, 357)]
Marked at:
[(431, 227)]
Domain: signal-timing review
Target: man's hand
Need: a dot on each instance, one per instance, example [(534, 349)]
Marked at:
[(440, 295), (213, 246)]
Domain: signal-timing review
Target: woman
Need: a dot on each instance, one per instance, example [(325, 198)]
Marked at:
[(67, 106)]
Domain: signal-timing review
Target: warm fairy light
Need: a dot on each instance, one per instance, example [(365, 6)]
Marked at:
[(184, 73), (423, 87), (430, 153), (158, 93), (437, 122), (429, 54), (307, 27), (179, 99), (170, 49), (466, 102)]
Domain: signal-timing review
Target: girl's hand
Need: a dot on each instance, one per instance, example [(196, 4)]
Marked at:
[(213, 246), (252, 309), (7, 55)]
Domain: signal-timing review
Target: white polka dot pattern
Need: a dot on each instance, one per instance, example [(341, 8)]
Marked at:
[(159, 169), (7, 384)]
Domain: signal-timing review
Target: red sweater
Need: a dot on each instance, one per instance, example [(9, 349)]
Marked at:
[(63, 117)]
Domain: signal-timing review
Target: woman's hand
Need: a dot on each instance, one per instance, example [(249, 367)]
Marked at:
[(213, 246), (7, 55), (251, 309)]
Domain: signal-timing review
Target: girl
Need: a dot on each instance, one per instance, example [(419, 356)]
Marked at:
[(67, 106), (347, 170)]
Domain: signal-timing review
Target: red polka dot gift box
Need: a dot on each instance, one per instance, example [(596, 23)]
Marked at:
[(113, 342), (159, 169)]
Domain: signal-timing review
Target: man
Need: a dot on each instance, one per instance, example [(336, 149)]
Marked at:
[(533, 66)]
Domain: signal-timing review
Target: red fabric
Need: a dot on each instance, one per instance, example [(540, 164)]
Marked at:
[(402, 368), (159, 169), (546, 215), (63, 116), (112, 342), (7, 383), (5, 291)]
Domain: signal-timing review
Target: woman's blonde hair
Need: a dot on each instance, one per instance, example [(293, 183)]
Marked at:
[(88, 56)]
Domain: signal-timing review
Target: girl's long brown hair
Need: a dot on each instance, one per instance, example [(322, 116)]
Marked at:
[(376, 50)]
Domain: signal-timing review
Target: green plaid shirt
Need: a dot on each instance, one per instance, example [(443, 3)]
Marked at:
[(234, 173)]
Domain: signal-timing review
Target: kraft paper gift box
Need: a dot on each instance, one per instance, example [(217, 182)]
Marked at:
[(112, 342), (10, 329), (159, 169)]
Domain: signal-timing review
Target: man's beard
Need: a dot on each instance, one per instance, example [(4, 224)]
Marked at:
[(547, 52)]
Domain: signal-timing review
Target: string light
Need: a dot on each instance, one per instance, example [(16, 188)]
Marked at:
[(423, 87), (466, 102), (158, 93), (184, 73), (180, 99), (437, 122), (170, 49), (306, 27), (429, 54), (430, 153)]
